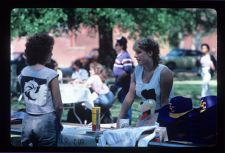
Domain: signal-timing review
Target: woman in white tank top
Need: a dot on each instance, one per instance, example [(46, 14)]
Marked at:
[(148, 74)]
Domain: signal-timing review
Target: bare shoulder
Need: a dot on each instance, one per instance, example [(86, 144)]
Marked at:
[(166, 73)]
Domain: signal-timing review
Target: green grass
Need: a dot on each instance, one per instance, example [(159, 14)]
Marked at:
[(183, 86)]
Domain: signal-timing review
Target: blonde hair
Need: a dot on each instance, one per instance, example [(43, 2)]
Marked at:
[(149, 45), (99, 70)]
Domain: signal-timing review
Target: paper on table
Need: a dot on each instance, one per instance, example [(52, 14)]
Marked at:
[(123, 137), (144, 141), (163, 134), (108, 126)]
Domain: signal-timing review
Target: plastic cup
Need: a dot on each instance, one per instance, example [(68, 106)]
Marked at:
[(123, 123)]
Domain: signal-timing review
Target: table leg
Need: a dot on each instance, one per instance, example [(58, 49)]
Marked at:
[(74, 111)]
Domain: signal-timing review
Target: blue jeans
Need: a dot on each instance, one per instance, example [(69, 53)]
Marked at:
[(206, 77), (105, 100), (40, 130)]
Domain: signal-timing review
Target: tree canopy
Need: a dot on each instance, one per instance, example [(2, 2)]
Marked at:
[(27, 21), (167, 24)]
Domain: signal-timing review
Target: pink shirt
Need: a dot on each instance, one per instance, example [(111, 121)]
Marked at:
[(97, 85)]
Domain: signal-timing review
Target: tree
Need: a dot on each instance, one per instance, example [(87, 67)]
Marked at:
[(163, 23), (104, 20), (173, 24), (27, 21)]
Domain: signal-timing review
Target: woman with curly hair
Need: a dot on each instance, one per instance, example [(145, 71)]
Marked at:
[(40, 87)]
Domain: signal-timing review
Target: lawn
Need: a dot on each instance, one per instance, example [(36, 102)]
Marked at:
[(187, 86)]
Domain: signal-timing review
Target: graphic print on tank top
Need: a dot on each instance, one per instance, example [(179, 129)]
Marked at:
[(34, 90), (149, 94)]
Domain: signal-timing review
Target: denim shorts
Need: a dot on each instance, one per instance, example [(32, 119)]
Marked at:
[(39, 130), (105, 100)]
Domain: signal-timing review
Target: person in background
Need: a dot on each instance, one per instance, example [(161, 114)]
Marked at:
[(208, 65), (93, 56), (80, 74), (148, 75), (59, 71), (104, 97), (41, 125), (100, 95), (54, 65), (122, 69), (19, 63)]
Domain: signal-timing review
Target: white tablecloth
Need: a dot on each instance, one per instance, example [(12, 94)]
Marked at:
[(76, 136), (73, 135), (76, 93)]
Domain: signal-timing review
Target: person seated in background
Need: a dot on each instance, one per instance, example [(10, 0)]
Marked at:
[(59, 71), (96, 81), (101, 96), (80, 74), (54, 65)]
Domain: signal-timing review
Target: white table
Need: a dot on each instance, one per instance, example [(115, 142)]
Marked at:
[(75, 135), (72, 94), (72, 135)]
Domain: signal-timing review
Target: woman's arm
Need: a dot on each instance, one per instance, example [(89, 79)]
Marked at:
[(56, 97), (128, 99), (166, 83)]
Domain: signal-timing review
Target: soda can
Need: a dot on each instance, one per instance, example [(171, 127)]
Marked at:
[(96, 111)]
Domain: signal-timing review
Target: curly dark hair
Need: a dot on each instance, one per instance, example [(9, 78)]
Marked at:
[(206, 45), (78, 63), (148, 45), (38, 48)]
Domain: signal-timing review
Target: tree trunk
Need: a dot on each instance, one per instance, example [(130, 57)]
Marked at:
[(107, 54), (72, 38)]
